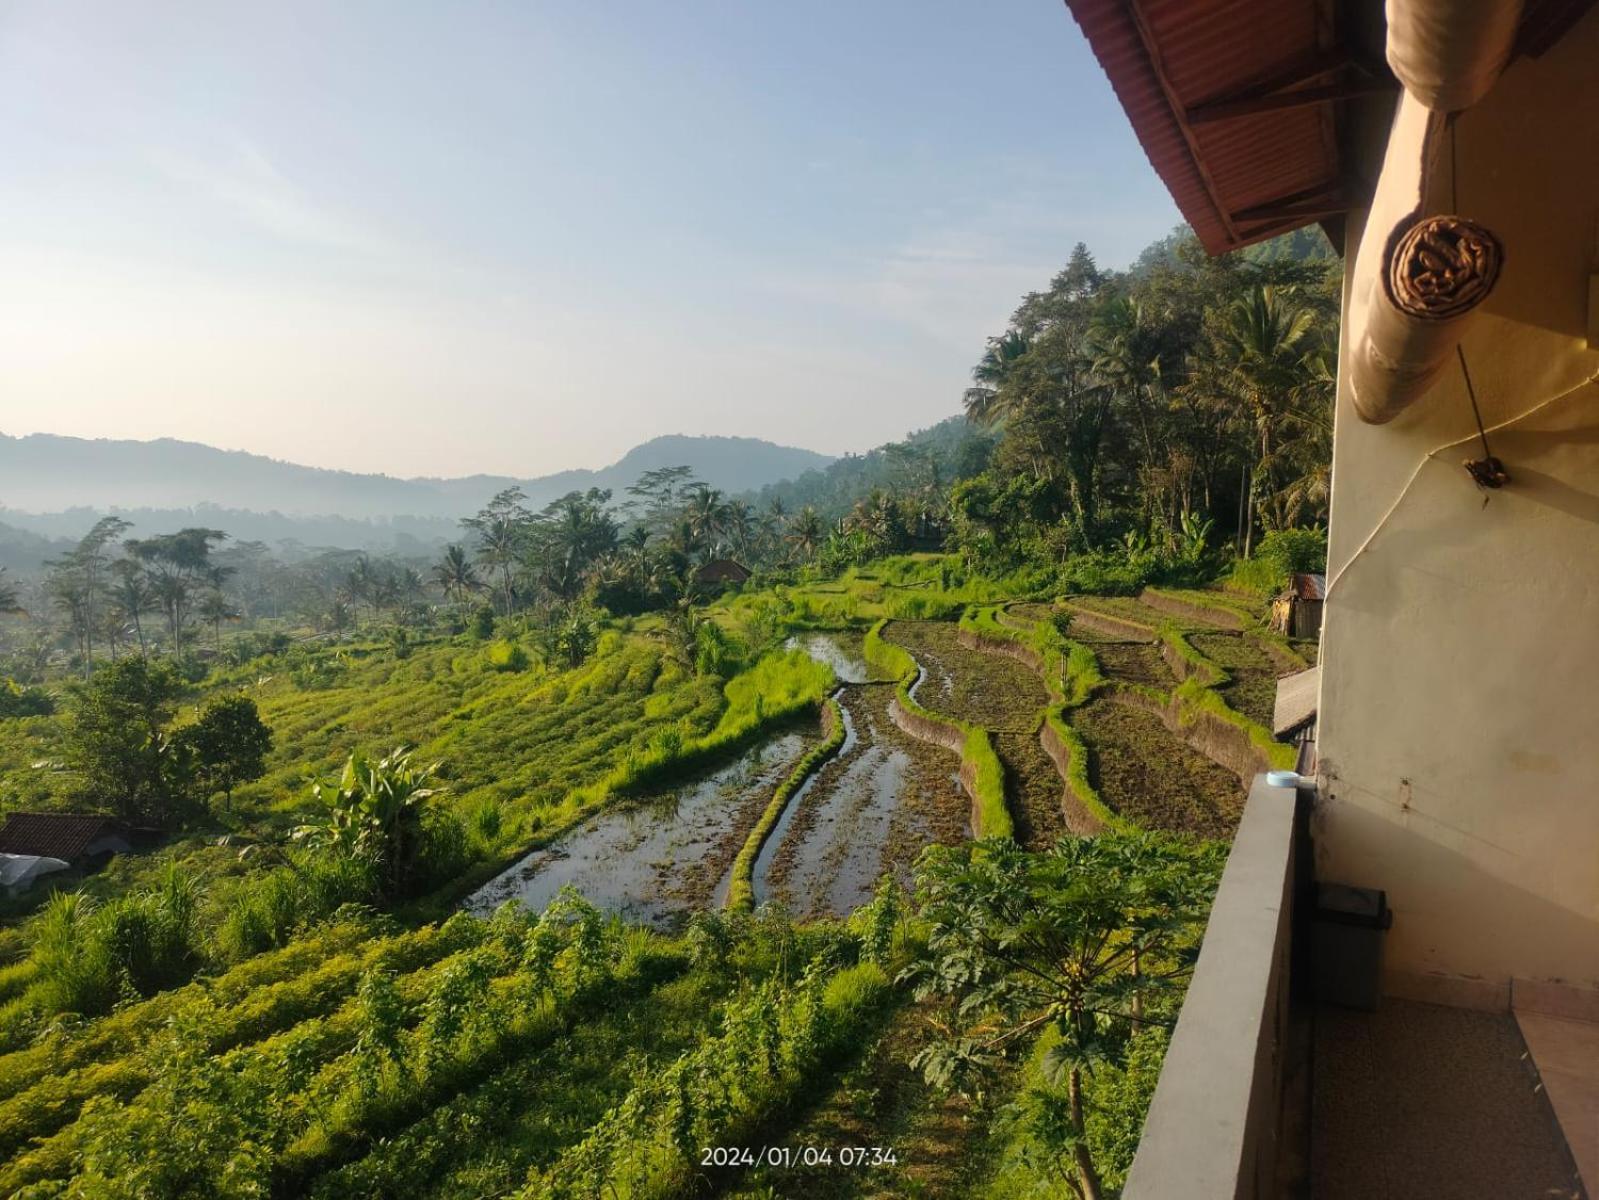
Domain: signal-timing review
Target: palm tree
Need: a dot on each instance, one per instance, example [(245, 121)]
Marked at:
[(455, 575), (133, 596), (500, 541), (707, 517), (983, 403), (805, 532), (1266, 341), (214, 607), (501, 528), (739, 521)]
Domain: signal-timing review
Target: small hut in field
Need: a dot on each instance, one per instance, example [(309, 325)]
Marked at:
[(721, 572), (1297, 612)]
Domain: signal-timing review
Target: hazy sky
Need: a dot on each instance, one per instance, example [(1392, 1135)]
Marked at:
[(451, 237)]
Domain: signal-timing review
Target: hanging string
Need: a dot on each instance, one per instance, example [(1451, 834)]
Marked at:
[(1334, 577), (1471, 392), (1488, 473)]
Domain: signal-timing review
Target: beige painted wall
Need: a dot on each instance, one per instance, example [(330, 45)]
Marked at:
[(1459, 730)]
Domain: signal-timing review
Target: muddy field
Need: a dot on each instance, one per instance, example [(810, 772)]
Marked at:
[(1135, 662), (870, 809), (1144, 772), (1252, 688), (1004, 696), (659, 859)]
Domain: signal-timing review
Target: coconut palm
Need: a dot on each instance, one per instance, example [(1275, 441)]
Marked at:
[(215, 608), (983, 403), (456, 576), (706, 513), (805, 532), (132, 595), (1266, 338)]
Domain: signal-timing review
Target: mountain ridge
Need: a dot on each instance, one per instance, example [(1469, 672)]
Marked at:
[(46, 473)]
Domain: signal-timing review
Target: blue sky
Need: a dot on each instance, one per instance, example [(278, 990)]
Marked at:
[(515, 237)]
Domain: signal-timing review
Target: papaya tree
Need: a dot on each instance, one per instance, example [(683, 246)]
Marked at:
[(1087, 942)]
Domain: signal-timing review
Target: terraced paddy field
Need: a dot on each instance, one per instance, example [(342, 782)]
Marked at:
[(1125, 607), (1134, 662), (1252, 675), (1005, 697), (872, 808), (1145, 773), (659, 859)]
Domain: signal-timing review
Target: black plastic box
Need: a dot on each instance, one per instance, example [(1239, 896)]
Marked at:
[(1347, 932)]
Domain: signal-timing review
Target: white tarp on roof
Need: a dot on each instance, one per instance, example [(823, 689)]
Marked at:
[(18, 871)]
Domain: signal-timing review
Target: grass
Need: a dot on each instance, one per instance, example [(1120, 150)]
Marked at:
[(269, 1059)]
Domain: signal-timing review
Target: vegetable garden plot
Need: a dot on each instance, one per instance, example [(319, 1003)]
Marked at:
[(658, 859), (871, 809), (938, 1138)]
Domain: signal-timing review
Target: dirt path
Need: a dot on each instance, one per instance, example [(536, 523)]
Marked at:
[(871, 809), (1005, 697)]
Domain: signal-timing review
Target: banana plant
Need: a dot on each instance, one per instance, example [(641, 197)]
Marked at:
[(374, 811)]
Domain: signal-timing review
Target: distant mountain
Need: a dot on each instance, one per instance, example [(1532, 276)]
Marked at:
[(46, 474)]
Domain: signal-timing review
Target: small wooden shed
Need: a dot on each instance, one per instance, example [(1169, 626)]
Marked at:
[(1297, 612), (721, 571)]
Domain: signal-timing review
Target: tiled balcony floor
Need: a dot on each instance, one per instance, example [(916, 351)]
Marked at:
[(1566, 1053), (1418, 1101)]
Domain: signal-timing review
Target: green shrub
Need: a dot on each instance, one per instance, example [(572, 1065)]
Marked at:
[(19, 701), (1280, 554), (88, 956), (482, 627), (507, 656), (855, 990)]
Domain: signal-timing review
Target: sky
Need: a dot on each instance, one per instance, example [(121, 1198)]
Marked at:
[(443, 238)]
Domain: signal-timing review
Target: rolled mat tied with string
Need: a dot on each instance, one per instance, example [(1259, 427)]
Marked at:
[(1436, 272)]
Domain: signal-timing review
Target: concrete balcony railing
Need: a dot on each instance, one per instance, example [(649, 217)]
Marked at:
[(1213, 1126)]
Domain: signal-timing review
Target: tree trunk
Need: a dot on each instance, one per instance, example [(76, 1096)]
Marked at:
[(1087, 1176)]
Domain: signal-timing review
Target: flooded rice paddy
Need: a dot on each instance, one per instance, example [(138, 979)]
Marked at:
[(869, 810), (658, 859)]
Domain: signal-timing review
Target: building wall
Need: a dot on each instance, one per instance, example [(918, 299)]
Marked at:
[(1459, 730)]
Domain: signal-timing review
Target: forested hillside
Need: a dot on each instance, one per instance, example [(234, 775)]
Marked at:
[(852, 837)]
